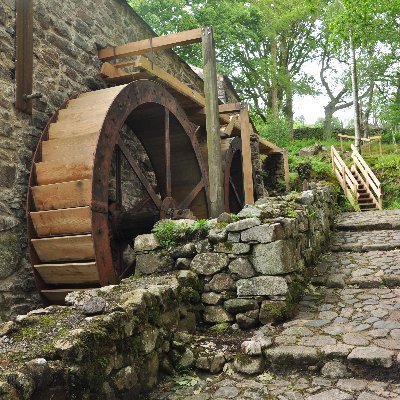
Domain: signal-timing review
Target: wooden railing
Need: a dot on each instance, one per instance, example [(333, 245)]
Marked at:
[(369, 178), (345, 177), (366, 142)]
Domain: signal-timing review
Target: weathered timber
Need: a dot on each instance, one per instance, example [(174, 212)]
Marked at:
[(246, 156), (212, 123), (152, 44)]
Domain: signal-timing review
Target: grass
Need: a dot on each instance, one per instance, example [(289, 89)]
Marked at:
[(318, 169)]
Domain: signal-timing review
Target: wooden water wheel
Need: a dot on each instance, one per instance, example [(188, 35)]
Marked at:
[(77, 231)]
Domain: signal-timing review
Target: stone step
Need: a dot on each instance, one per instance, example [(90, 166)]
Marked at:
[(358, 327), (334, 384), (369, 220), (372, 269), (363, 241)]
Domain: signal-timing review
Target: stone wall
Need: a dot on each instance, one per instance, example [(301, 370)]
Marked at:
[(115, 342), (67, 35), (253, 266), (110, 343)]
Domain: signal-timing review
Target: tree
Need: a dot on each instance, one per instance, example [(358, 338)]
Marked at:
[(364, 25), (261, 44)]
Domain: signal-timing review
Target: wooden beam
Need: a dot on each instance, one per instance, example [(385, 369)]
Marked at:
[(149, 45), (246, 156), (115, 73), (229, 108), (212, 124), (24, 55)]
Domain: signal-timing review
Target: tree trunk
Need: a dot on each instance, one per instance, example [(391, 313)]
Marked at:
[(274, 80), (328, 122), (288, 109), (356, 104)]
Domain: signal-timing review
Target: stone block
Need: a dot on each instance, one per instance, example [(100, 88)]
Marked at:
[(183, 263), (249, 211), (216, 314), (221, 282), (147, 264), (232, 248), (187, 250), (7, 175), (212, 298), (242, 224), (147, 242), (275, 258), (234, 237), (272, 311), (262, 286), (248, 319), (217, 235), (236, 306), (209, 263), (263, 234), (242, 267)]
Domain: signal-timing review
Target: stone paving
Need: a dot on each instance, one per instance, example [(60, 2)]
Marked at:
[(344, 342)]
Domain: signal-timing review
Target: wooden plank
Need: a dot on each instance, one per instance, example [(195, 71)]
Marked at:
[(85, 125), (69, 148), (216, 179), (75, 169), (24, 55), (67, 221), (267, 147), (62, 195), (57, 296), (69, 273), (64, 248), (150, 45), (246, 156)]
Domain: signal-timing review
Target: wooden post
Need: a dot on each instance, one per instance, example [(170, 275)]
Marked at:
[(246, 155), (286, 168), (212, 124), (24, 55), (380, 145)]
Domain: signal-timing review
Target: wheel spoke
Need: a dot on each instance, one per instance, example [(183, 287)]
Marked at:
[(118, 189), (168, 189), (191, 196), (238, 199), (157, 201)]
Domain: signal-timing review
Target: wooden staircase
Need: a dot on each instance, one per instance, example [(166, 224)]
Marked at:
[(359, 183)]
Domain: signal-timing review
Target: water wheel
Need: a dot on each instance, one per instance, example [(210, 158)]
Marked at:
[(78, 220)]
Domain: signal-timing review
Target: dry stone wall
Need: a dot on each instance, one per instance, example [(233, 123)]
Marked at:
[(115, 342), (67, 35), (110, 343), (253, 266)]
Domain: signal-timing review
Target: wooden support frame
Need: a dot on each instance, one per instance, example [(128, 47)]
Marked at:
[(152, 44), (246, 155), (24, 55), (216, 177)]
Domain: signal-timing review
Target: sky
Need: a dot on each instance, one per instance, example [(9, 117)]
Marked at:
[(312, 107)]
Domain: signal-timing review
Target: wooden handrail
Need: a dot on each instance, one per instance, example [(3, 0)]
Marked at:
[(344, 176), (366, 142), (370, 179)]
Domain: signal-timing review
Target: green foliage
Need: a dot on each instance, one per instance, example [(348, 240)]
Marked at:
[(276, 129), (170, 233)]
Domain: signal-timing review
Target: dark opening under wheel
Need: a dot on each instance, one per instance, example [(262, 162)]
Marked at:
[(77, 230)]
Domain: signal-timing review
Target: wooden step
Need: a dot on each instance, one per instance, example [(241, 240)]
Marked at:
[(67, 129), (67, 221), (64, 248), (69, 273), (52, 172), (368, 206), (70, 148), (365, 200), (62, 195), (57, 296)]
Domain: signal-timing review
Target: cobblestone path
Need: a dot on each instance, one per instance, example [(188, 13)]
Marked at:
[(344, 342)]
